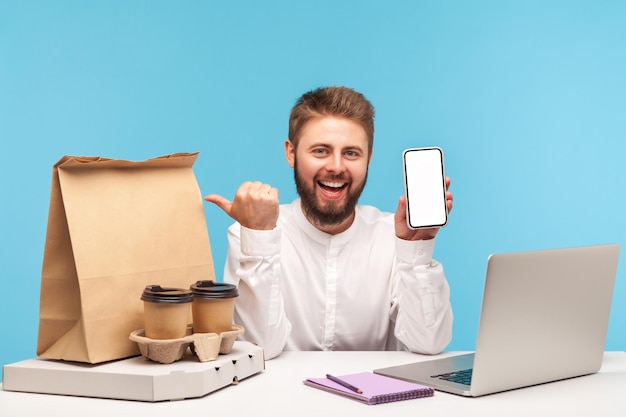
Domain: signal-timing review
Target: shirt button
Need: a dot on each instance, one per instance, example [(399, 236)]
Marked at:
[(420, 252)]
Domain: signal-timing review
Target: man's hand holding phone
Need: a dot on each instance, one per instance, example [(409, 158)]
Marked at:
[(424, 208), (403, 231)]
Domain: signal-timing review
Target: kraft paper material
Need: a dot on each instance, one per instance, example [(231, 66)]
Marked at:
[(115, 226)]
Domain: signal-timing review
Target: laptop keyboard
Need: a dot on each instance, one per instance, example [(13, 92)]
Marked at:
[(460, 377)]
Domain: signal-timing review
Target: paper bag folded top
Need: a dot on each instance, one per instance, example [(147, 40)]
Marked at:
[(114, 227)]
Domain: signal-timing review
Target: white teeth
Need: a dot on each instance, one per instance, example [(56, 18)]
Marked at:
[(332, 184)]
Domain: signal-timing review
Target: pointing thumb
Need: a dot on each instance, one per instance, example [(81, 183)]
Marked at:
[(220, 201)]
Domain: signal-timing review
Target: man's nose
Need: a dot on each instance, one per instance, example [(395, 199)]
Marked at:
[(335, 163)]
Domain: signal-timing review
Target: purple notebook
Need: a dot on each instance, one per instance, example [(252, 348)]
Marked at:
[(376, 389)]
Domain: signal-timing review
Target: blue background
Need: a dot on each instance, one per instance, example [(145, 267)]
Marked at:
[(527, 99)]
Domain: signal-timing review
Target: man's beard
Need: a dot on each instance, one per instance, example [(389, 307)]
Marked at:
[(335, 212)]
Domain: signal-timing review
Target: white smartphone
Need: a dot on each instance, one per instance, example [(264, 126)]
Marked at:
[(425, 188)]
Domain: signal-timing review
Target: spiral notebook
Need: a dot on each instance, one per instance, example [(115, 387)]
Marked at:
[(376, 389)]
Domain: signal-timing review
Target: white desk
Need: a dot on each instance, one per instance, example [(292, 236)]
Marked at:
[(279, 391)]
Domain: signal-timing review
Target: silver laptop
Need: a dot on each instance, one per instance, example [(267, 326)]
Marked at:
[(544, 318)]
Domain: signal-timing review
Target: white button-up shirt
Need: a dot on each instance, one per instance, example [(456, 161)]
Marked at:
[(363, 289)]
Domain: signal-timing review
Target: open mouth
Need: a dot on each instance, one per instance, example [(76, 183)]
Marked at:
[(332, 188)]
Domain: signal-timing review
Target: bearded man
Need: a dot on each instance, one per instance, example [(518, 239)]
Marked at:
[(323, 272)]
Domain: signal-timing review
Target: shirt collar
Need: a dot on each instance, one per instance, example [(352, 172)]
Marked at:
[(318, 235)]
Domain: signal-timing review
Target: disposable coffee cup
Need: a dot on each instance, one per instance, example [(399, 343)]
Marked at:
[(165, 312), (213, 306)]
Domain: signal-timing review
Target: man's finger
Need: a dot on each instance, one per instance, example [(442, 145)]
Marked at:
[(220, 201)]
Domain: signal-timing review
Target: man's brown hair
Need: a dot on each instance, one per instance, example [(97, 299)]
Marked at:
[(332, 101)]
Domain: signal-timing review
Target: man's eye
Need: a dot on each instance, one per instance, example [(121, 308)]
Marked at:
[(319, 151), (351, 154)]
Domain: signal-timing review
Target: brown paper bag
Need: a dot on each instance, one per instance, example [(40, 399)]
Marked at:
[(114, 227)]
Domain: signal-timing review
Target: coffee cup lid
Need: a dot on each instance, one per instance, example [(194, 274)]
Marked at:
[(158, 294), (212, 289)]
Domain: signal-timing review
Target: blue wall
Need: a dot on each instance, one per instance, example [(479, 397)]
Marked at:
[(527, 99)]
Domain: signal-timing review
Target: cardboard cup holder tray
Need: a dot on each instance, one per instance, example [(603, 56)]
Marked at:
[(206, 346)]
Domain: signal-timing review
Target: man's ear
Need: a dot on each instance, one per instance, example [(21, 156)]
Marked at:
[(290, 153)]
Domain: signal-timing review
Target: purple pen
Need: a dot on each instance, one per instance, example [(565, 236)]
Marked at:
[(344, 384)]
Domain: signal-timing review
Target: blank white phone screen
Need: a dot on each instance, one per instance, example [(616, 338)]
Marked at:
[(425, 188)]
